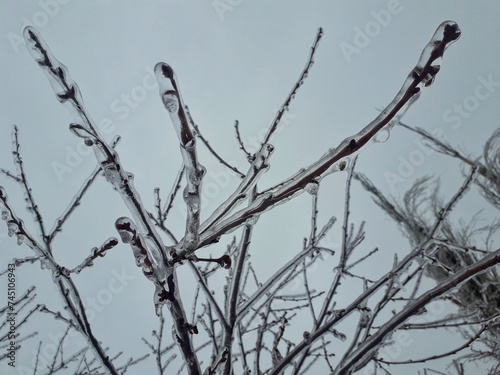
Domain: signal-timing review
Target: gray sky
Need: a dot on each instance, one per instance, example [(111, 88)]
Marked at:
[(234, 61)]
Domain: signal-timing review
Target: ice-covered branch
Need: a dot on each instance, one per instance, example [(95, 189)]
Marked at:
[(260, 164), (293, 92), (442, 355), (338, 158), (75, 202), (169, 203), (272, 281), (197, 133), (163, 273), (160, 351), (17, 306), (31, 206), (372, 343), (401, 265), (208, 294), (240, 141), (165, 293), (260, 160), (15, 226), (341, 268), (489, 169), (96, 253), (67, 91), (172, 100), (60, 275), (234, 290)]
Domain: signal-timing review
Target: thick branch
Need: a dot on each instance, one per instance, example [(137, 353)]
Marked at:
[(172, 100)]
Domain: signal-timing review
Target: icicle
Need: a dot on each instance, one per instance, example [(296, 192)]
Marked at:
[(312, 187), (12, 228), (339, 166), (382, 136), (20, 239)]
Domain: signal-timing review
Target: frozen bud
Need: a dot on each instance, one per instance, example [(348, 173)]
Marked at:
[(125, 228), (225, 261), (312, 187), (307, 337), (110, 243), (170, 101)]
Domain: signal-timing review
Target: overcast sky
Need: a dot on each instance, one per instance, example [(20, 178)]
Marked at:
[(234, 59)]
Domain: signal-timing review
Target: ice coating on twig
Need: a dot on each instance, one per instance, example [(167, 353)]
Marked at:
[(388, 277), (67, 91), (373, 342), (31, 205), (163, 272), (70, 297), (64, 87), (15, 227), (291, 95), (421, 76), (130, 234), (259, 166), (95, 253), (75, 202), (172, 100)]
